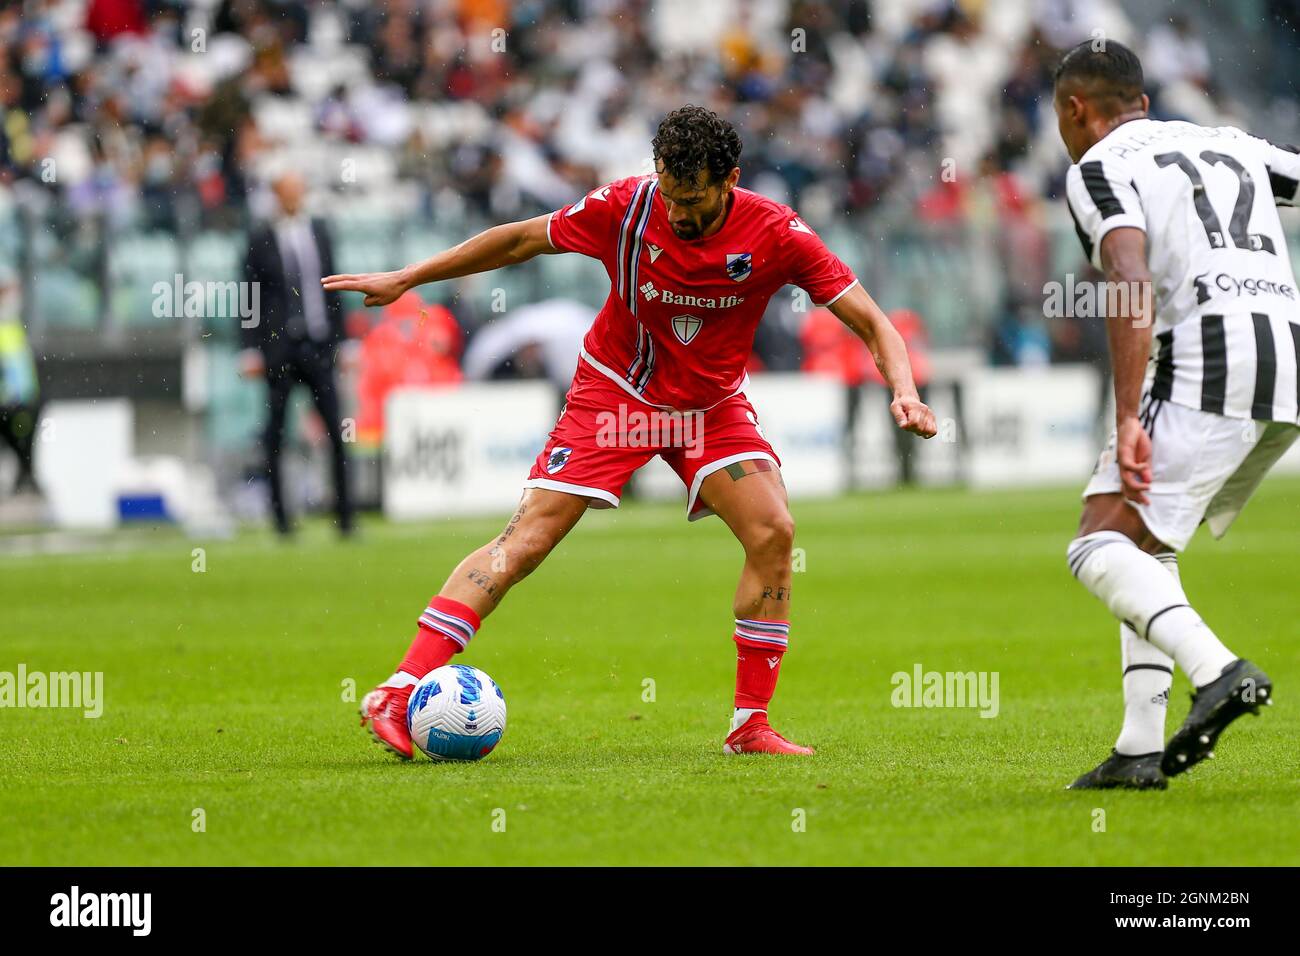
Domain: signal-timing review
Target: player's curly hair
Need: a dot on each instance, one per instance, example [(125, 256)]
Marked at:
[(693, 138)]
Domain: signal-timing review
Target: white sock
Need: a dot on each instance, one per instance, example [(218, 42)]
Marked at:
[(1137, 589), (741, 715), (1147, 676), (401, 679)]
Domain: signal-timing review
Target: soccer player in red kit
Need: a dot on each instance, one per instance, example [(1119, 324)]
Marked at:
[(692, 260)]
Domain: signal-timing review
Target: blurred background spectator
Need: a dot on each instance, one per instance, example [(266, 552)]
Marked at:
[(293, 336), (19, 394), (829, 348), (412, 344)]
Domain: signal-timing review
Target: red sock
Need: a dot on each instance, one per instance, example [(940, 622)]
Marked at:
[(759, 648), (446, 626)]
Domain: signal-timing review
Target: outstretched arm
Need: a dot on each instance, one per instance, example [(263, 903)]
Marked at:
[(856, 309), (503, 245)]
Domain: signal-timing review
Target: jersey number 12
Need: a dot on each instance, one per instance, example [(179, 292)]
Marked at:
[(1239, 225)]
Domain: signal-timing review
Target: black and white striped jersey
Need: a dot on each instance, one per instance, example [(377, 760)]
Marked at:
[(1227, 322)]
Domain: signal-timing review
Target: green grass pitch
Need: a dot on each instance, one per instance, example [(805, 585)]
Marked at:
[(224, 691)]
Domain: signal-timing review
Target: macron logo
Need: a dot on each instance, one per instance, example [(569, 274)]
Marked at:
[(103, 909), (581, 204), (654, 251), (798, 226)]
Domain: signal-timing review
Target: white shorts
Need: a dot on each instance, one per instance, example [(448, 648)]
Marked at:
[(1204, 467)]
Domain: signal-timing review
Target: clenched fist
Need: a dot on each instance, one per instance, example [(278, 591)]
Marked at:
[(914, 416)]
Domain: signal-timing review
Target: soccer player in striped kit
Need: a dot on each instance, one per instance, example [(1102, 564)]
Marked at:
[(1207, 393), (693, 259)]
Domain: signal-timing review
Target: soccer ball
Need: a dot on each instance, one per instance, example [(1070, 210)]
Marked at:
[(456, 713)]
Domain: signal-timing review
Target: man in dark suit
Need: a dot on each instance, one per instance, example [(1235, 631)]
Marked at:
[(297, 335)]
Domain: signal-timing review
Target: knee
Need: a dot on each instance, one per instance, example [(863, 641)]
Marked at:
[(770, 538), (519, 551), (531, 550)]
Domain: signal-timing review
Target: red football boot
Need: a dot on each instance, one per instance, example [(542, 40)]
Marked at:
[(756, 736), (385, 709)]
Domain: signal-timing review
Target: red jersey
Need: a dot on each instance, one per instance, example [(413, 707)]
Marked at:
[(679, 323)]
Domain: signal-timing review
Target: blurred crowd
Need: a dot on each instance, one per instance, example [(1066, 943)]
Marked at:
[(848, 104), (163, 113)]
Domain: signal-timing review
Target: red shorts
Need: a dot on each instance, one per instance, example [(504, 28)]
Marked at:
[(604, 434)]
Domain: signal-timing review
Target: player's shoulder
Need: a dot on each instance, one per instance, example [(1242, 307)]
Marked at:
[(1185, 129), (770, 216), (628, 185), (762, 208), (1127, 143), (615, 194)]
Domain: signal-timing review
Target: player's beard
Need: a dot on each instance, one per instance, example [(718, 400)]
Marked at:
[(690, 231)]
